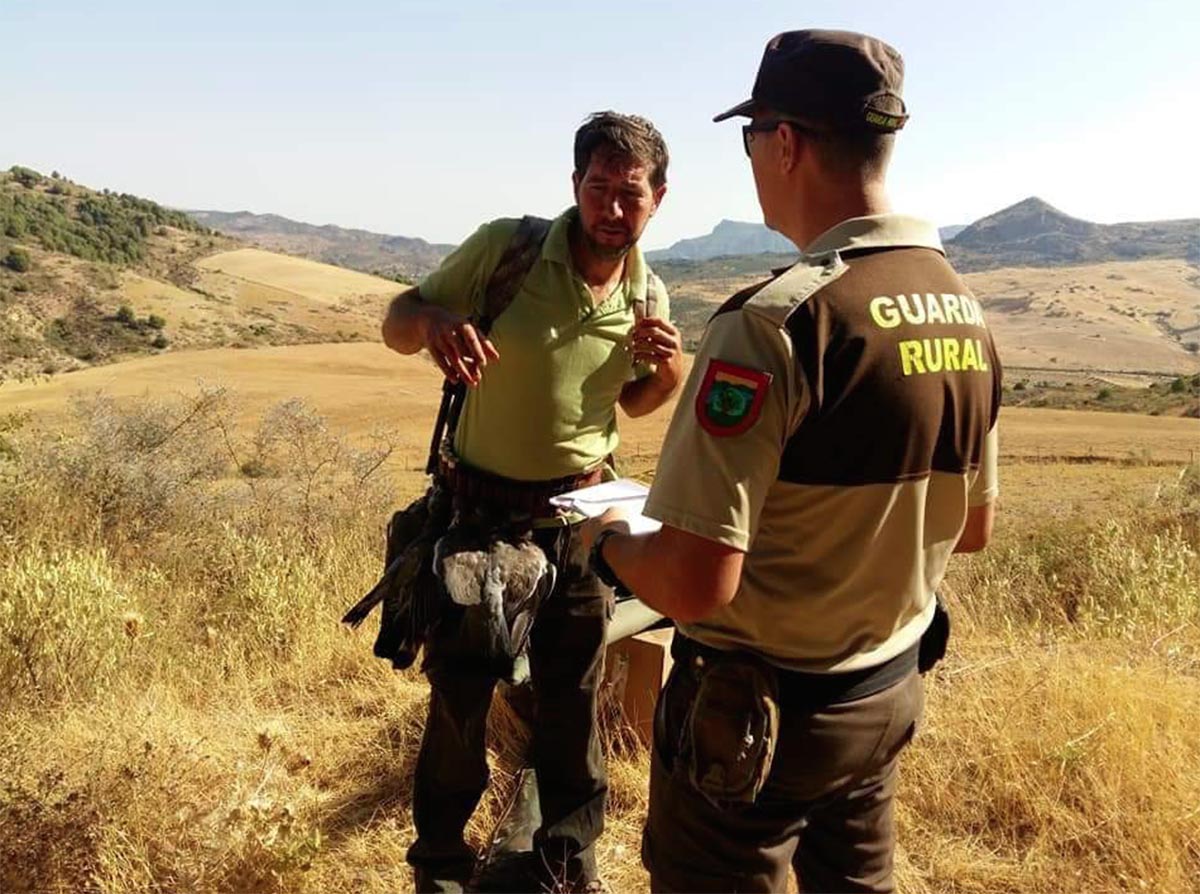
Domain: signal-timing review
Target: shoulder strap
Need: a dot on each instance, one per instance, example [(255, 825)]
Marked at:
[(519, 256), (522, 251)]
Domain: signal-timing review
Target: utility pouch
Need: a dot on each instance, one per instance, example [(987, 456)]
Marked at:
[(732, 729), (408, 590), (934, 639)]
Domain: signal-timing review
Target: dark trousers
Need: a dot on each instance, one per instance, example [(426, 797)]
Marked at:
[(826, 809), (566, 654)]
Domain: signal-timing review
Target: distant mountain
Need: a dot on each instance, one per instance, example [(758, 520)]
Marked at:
[(729, 237), (379, 253), (1033, 233), (735, 237)]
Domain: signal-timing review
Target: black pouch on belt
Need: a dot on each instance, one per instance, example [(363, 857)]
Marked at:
[(935, 637), (732, 729)]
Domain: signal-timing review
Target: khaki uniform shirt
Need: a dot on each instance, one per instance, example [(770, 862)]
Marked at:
[(839, 420), (547, 408)]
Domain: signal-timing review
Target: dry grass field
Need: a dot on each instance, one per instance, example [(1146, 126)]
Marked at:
[(298, 276), (182, 712)]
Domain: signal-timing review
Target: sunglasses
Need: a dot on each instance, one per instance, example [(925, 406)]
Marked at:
[(767, 126)]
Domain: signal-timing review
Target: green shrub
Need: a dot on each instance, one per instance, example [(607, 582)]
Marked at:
[(125, 315), (17, 260), (93, 226), (27, 177), (154, 321)]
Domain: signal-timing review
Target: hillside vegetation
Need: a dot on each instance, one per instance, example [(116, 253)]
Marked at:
[(182, 711), (63, 217), (90, 277)]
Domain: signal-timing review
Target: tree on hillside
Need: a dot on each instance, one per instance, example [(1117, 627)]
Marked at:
[(17, 260), (27, 177)]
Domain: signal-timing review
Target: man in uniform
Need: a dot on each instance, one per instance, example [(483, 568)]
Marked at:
[(834, 444), (540, 419)]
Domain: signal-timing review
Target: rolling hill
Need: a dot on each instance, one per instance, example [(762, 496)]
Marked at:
[(391, 256), (89, 277)]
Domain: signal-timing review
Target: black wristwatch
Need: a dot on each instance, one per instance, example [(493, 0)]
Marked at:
[(603, 570)]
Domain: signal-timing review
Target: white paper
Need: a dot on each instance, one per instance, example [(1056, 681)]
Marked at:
[(624, 494)]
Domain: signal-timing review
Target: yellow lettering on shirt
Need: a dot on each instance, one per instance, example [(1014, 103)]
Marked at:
[(910, 357), (933, 310), (953, 364), (953, 314), (933, 353), (920, 356), (884, 312), (970, 359), (920, 310), (914, 313)]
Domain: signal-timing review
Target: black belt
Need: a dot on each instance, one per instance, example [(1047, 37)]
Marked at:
[(478, 489), (803, 690)]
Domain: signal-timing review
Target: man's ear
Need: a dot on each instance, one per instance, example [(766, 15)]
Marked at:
[(791, 146), (658, 197), (575, 181)]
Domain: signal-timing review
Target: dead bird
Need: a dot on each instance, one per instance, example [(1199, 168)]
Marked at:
[(498, 578)]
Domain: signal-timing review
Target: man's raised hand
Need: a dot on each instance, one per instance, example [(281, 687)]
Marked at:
[(457, 347)]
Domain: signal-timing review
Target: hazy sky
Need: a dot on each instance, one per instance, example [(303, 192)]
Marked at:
[(425, 118)]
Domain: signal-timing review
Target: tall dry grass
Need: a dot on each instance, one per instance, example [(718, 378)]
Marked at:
[(180, 710)]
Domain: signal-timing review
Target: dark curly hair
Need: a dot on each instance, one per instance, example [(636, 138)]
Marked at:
[(625, 137)]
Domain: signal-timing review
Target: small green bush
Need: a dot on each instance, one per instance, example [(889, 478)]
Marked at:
[(17, 260)]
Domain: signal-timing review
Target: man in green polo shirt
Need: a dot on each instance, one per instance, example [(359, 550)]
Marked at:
[(587, 330)]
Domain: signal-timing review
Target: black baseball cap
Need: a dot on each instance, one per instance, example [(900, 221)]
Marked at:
[(838, 79)]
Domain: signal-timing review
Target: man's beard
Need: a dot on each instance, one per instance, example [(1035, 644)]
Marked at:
[(607, 252)]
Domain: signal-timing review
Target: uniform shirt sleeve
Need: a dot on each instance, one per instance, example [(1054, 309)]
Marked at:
[(986, 486), (714, 485), (458, 282)]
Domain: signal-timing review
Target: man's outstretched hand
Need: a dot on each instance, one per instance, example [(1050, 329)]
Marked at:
[(457, 347)]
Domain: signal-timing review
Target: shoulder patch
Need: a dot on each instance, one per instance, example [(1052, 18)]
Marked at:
[(730, 398), (781, 296)]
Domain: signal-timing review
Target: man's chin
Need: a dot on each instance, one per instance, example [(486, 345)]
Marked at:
[(608, 252)]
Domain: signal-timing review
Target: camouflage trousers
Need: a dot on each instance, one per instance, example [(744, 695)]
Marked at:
[(566, 655)]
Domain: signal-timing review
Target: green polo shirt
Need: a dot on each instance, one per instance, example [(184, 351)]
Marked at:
[(547, 407)]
